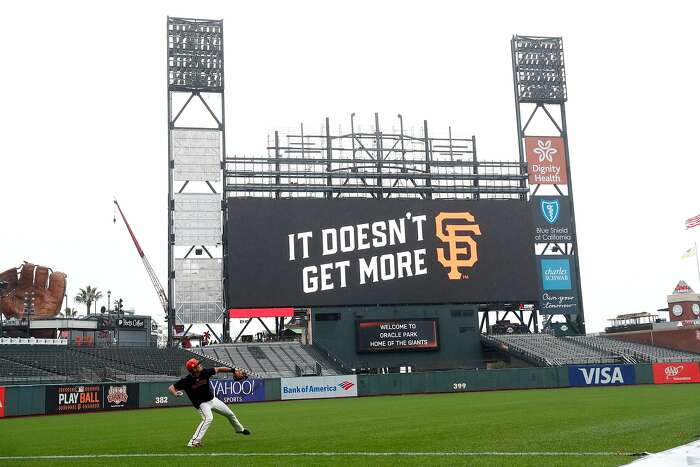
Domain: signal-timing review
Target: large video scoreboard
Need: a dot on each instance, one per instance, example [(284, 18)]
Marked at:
[(306, 252)]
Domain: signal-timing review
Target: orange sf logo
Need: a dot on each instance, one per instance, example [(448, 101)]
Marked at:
[(452, 234)]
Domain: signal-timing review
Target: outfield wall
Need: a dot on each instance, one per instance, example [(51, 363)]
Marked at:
[(79, 398)]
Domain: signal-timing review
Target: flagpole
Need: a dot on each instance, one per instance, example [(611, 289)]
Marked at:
[(697, 261)]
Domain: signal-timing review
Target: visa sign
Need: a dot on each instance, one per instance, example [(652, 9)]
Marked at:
[(601, 375)]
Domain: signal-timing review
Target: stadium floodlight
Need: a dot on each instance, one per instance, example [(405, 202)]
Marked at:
[(195, 55), (538, 68)]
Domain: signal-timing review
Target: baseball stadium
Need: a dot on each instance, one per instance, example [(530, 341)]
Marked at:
[(418, 305)]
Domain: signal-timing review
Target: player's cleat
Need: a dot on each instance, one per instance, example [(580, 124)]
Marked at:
[(245, 431), (194, 445)]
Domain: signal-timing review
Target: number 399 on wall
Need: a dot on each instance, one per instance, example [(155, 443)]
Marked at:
[(459, 386)]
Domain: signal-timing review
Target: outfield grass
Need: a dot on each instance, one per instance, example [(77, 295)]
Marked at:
[(605, 420)]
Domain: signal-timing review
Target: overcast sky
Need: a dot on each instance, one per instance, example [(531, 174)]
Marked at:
[(83, 119)]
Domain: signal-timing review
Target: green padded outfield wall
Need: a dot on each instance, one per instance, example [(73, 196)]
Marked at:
[(644, 373), (462, 380), (157, 395), (335, 330), (272, 389), (31, 400), (24, 400)]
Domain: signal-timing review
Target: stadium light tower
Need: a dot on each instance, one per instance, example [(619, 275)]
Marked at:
[(540, 89), (196, 144)]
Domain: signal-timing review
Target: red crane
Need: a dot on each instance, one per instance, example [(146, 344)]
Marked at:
[(151, 273)]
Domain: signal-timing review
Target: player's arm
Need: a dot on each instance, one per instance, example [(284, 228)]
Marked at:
[(223, 369), (174, 391)]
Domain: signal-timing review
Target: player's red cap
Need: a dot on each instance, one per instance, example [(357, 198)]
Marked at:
[(191, 364)]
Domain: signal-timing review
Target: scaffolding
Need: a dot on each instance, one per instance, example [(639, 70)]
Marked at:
[(374, 164)]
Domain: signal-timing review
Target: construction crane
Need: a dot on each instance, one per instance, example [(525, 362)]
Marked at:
[(151, 273)]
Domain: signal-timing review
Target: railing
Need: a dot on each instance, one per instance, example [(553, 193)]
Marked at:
[(336, 361), (226, 364), (308, 370), (31, 341)]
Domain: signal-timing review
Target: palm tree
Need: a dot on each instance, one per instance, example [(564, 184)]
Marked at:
[(88, 295), (70, 312)]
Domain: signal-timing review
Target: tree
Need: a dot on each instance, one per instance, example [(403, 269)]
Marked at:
[(69, 312), (88, 295)]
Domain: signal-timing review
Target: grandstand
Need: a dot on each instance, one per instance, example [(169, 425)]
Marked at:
[(26, 364), (272, 359), (548, 350), (46, 364), (634, 352)]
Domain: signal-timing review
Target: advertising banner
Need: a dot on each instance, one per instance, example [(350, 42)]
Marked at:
[(131, 323), (551, 217), (232, 391), (318, 387), (121, 396), (557, 281), (90, 398), (2, 402), (546, 160), (601, 375), (397, 335), (73, 399), (301, 252), (670, 373)]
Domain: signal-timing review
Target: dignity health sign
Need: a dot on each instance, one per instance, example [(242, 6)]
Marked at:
[(546, 160), (318, 387)]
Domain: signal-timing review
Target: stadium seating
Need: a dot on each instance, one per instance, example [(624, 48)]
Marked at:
[(633, 352), (272, 359), (12, 371), (547, 350), (26, 364)]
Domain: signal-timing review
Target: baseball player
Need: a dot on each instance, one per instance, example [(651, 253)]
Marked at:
[(196, 385)]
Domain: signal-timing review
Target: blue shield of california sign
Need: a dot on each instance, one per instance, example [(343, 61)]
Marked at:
[(550, 210), (551, 217)]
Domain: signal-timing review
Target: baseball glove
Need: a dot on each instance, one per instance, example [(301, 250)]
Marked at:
[(48, 288), (239, 375)]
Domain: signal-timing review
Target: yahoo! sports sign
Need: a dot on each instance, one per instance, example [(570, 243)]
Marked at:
[(232, 391), (318, 387), (302, 252)]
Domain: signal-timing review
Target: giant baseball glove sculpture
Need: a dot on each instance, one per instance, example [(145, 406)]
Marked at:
[(48, 287)]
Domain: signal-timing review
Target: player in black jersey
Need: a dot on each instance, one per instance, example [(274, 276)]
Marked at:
[(196, 385)]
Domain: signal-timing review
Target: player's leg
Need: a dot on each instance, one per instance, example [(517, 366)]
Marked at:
[(205, 412), (219, 407)]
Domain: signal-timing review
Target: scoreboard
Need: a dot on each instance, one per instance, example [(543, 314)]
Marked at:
[(397, 335)]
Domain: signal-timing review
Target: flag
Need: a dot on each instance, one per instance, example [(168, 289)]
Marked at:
[(692, 222), (688, 253)]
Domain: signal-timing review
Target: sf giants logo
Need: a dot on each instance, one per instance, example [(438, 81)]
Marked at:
[(460, 241)]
